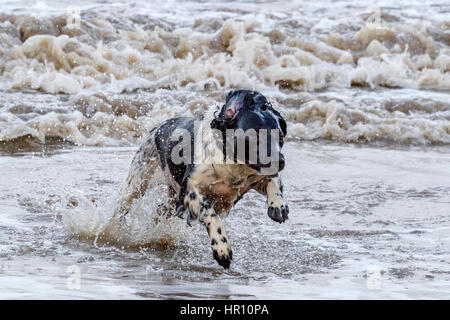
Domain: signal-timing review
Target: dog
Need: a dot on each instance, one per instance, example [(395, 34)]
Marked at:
[(207, 189)]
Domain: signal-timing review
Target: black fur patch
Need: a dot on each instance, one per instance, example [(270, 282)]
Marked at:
[(165, 145)]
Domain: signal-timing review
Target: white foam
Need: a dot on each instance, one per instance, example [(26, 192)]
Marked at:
[(274, 49), (143, 225)]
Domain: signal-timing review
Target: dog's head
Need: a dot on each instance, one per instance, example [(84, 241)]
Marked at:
[(248, 121)]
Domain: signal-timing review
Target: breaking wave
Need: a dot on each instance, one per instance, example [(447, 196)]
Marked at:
[(123, 70)]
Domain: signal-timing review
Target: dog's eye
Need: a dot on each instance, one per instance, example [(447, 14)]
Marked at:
[(266, 105)]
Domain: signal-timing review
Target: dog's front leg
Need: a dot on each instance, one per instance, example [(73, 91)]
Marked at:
[(278, 209), (199, 207)]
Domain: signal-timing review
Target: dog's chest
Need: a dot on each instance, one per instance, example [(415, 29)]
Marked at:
[(223, 185)]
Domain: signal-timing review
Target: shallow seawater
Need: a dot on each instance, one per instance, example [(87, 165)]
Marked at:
[(352, 209), (365, 92), (104, 73)]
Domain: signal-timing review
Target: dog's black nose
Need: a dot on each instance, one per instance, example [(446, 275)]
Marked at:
[(281, 162)]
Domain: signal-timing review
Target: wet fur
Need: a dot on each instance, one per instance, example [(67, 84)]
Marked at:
[(205, 192)]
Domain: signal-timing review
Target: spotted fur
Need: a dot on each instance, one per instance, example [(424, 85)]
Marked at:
[(205, 191)]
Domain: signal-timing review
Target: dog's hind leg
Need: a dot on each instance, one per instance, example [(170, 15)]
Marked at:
[(199, 207), (166, 208), (143, 167)]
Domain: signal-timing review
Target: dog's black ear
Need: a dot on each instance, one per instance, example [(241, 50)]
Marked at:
[(281, 121), (283, 125)]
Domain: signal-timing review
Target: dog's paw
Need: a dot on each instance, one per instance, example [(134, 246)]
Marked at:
[(222, 251), (278, 210)]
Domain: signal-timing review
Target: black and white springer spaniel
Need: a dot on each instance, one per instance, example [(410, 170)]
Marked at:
[(208, 188)]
